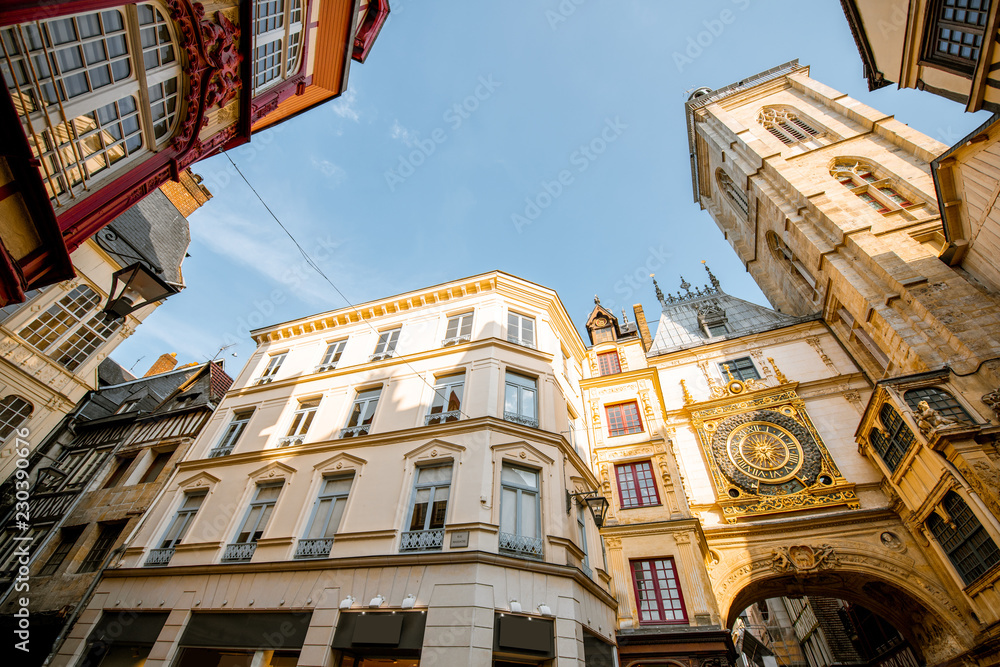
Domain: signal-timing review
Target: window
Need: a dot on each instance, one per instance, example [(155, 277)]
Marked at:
[(520, 513), (386, 345), (277, 41), (955, 37), (429, 509), (271, 370), (362, 413), (107, 535), (80, 466), (604, 335), (784, 254), (938, 399), (581, 524), (302, 419), (232, 434), (636, 486), (447, 403), (14, 410), (254, 524), (326, 516), (521, 329), (608, 363), (521, 400), (786, 125), (156, 467), (734, 195), (177, 529), (459, 329), (742, 369), (67, 539), (80, 91), (124, 462), (892, 443), (624, 419), (657, 591), (71, 329), (332, 355), (969, 547), (716, 330), (878, 192)]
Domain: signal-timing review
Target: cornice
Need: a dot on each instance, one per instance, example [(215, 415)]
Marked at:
[(772, 528), (600, 381), (422, 559)]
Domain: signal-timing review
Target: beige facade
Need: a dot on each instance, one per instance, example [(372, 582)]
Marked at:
[(443, 428), (831, 206)]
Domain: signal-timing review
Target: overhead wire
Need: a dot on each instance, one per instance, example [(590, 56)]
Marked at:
[(315, 267)]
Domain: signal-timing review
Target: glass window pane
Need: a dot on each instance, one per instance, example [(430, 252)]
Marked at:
[(434, 475), (529, 514), (508, 511), (320, 520)]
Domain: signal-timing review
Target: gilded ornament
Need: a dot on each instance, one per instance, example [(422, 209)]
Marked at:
[(777, 372)]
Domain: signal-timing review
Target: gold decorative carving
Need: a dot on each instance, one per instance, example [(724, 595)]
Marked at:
[(802, 558), (777, 372), (688, 399)]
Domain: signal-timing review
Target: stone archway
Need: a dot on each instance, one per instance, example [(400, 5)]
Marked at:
[(919, 609)]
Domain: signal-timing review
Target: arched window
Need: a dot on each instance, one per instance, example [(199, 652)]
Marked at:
[(786, 125), (71, 329), (892, 443), (87, 101), (13, 411), (277, 43), (873, 188), (940, 400), (737, 198), (969, 547)]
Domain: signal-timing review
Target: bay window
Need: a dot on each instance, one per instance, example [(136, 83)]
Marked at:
[(72, 329), (277, 41), (521, 400)]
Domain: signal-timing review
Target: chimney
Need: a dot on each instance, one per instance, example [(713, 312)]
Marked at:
[(640, 322), (165, 363)]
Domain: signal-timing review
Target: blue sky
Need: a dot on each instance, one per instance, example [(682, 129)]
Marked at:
[(464, 117)]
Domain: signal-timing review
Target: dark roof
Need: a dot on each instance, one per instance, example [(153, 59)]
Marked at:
[(153, 231), (109, 372), (875, 78), (206, 387)]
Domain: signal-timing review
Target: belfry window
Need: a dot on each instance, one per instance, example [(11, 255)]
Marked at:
[(786, 125), (277, 41), (894, 441), (88, 101), (736, 197), (869, 186)]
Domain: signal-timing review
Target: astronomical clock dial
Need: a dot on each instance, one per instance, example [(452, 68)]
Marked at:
[(766, 453)]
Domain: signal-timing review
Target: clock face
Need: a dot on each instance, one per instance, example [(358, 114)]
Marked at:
[(765, 452)]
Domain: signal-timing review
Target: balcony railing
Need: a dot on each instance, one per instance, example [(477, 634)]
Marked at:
[(455, 340), (520, 419), (239, 552), (521, 545), (322, 368), (422, 540), (264, 380), (290, 440), (352, 431), (314, 548), (521, 341), (379, 356), (442, 417), (220, 451), (159, 557)]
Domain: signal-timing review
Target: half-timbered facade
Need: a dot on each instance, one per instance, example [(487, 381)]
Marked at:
[(115, 99)]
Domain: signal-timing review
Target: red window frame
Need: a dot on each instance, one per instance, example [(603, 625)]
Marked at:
[(621, 422), (640, 474), (674, 593), (605, 365)]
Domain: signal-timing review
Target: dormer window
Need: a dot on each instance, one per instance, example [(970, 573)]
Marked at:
[(604, 335)]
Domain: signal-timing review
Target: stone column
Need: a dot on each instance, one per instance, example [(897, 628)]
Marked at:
[(620, 581)]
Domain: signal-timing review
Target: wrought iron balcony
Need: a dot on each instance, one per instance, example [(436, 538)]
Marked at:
[(322, 368), (220, 451), (442, 417), (290, 440), (520, 419), (520, 341), (263, 380), (521, 545), (314, 548), (422, 540), (380, 356), (240, 552), (159, 557), (455, 340), (352, 431)]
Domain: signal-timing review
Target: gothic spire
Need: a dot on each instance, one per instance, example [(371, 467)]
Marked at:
[(659, 294), (597, 300), (711, 277)]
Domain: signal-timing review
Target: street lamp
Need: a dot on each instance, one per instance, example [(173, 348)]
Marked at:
[(597, 503), (132, 288)]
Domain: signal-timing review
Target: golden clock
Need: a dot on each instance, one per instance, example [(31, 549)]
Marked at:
[(765, 451)]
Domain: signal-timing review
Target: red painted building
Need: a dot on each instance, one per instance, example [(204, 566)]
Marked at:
[(104, 102)]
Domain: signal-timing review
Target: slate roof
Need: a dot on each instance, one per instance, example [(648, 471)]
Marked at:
[(679, 326)]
